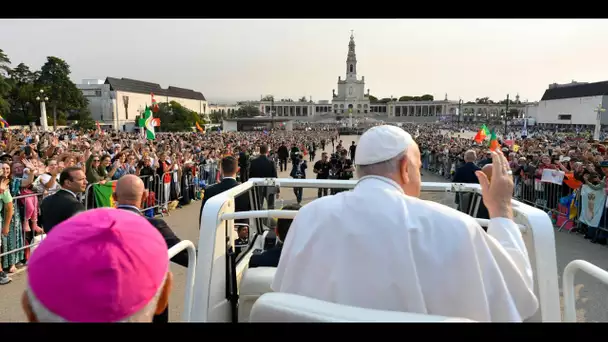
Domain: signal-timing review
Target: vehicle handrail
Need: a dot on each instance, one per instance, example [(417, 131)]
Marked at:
[(290, 214), (568, 284), (173, 251), (210, 304), (350, 184)]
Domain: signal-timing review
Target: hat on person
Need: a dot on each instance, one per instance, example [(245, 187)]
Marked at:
[(102, 265), (382, 143)]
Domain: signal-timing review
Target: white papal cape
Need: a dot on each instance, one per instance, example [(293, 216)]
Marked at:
[(377, 248)]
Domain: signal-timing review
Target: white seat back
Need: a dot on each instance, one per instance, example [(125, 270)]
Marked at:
[(255, 282), (283, 307)]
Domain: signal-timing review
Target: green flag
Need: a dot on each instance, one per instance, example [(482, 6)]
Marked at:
[(485, 130), (103, 194), (147, 122), (493, 141)]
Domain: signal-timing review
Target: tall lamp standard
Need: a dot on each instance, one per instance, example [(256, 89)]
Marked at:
[(506, 115), (459, 111), (43, 120), (599, 110), (272, 113)]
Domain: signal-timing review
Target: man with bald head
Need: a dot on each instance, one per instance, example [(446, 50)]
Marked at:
[(466, 174), (130, 194), (381, 247)]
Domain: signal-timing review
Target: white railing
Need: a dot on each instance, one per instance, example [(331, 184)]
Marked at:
[(568, 284), (210, 303), (173, 251)]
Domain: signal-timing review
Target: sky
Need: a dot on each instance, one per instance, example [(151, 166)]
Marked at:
[(231, 60)]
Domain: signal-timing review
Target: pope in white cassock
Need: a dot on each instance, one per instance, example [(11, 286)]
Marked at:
[(381, 247)]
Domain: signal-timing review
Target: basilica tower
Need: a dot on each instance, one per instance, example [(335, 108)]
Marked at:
[(351, 60), (351, 91)]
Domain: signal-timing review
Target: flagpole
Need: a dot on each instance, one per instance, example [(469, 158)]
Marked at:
[(142, 129)]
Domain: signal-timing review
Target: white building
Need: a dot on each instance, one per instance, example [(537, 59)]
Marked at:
[(222, 109), (117, 103), (574, 103), (351, 95)]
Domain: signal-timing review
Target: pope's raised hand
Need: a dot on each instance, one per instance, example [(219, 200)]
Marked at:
[(497, 193)]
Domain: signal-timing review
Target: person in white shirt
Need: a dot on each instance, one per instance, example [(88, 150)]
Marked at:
[(48, 182), (381, 247)]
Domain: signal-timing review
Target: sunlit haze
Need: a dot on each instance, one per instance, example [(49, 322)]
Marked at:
[(230, 60)]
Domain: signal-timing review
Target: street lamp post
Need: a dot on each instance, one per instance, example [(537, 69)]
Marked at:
[(506, 116), (599, 110), (459, 111), (43, 120), (272, 113)]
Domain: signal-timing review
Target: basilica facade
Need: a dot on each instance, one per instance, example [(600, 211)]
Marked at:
[(352, 98)]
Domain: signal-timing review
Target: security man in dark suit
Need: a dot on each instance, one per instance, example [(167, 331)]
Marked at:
[(352, 150), (242, 240), (243, 164), (63, 204), (130, 194), (228, 167), (262, 167), (283, 154), (270, 257), (466, 174)]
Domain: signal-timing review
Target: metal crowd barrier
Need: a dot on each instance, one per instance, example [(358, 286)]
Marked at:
[(20, 208), (441, 164), (153, 183)]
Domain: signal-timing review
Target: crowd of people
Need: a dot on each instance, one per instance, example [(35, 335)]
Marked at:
[(35, 166), (173, 168), (579, 161)]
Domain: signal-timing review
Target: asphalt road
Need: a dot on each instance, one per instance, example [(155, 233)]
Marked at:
[(592, 302)]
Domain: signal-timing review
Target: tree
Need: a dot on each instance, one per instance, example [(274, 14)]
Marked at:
[(483, 100), (427, 97), (511, 102), (176, 118), (62, 92), (84, 119), (268, 98), (23, 95), (406, 98), (247, 111), (372, 98), (5, 86), (216, 116), (303, 99), (384, 100)]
